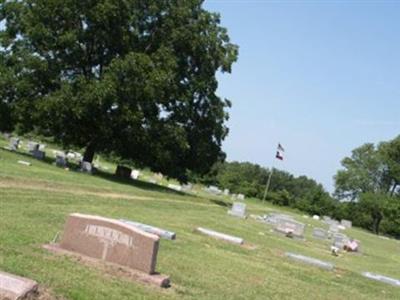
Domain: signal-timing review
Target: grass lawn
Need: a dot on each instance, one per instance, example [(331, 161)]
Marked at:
[(35, 202)]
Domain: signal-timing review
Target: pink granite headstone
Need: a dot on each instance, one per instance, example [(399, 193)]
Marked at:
[(112, 241), (13, 287)]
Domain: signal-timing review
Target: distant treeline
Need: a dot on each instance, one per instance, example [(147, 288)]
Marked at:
[(367, 189)]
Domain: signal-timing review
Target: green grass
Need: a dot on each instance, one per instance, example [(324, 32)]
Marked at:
[(35, 202)]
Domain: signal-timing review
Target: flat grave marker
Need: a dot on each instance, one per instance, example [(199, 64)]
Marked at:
[(169, 235), (381, 278), (310, 261), (221, 236), (25, 163), (14, 287), (175, 187)]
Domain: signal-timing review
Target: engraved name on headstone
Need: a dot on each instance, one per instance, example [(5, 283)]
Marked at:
[(112, 241)]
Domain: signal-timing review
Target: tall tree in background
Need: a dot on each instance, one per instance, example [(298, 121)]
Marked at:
[(371, 178), (135, 78)]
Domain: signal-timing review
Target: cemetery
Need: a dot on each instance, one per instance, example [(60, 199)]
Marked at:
[(100, 242), (134, 166)]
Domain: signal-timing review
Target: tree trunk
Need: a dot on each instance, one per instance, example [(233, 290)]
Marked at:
[(376, 223), (89, 153)]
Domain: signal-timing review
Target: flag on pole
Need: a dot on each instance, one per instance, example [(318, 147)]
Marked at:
[(279, 152)]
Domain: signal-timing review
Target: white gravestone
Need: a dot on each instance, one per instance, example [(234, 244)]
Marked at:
[(175, 187), (240, 197), (14, 144), (221, 236), (169, 235), (310, 261), (382, 278), (238, 210), (86, 167), (14, 287), (135, 174)]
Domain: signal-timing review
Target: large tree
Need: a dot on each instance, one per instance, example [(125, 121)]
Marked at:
[(136, 78), (371, 178)]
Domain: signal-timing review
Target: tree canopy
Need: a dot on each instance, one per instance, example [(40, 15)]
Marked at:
[(135, 78), (370, 178)]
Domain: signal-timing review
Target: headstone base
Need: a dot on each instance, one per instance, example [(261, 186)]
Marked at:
[(13, 287), (155, 279), (234, 214)]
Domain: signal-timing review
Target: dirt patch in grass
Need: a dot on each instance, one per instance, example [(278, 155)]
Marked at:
[(43, 294)]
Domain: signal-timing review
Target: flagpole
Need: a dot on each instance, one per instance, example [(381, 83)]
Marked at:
[(268, 183), (278, 155)]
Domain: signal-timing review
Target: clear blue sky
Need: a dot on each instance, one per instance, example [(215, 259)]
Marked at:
[(320, 77)]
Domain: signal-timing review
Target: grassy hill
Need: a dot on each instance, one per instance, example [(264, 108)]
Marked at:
[(36, 200)]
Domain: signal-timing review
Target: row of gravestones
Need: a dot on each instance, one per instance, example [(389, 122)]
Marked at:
[(287, 225), (36, 149), (125, 244), (61, 160)]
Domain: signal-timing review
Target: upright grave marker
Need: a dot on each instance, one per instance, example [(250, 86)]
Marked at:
[(14, 144), (238, 210), (32, 146), (14, 287), (346, 223), (112, 241), (123, 172), (320, 233), (135, 174), (290, 228), (340, 240), (61, 159), (87, 167)]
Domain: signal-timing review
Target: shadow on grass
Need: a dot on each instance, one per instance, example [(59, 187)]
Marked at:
[(220, 203), (73, 166), (137, 183)]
